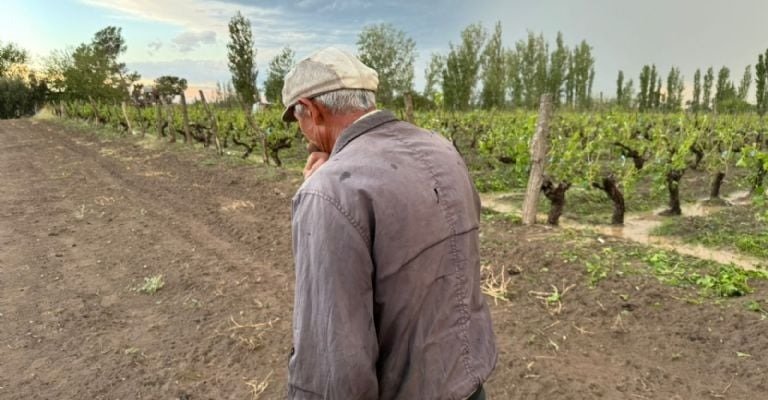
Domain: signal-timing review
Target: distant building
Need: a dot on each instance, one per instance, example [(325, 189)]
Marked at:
[(261, 105)]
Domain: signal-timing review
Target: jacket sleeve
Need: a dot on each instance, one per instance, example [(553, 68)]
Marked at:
[(334, 334)]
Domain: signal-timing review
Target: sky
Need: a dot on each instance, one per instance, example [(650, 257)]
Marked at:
[(187, 38)]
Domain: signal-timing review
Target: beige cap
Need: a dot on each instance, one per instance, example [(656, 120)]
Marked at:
[(325, 71)]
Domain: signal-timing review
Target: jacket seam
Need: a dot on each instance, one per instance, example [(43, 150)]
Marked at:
[(343, 211), (462, 291)]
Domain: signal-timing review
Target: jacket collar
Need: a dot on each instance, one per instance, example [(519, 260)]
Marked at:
[(361, 127)]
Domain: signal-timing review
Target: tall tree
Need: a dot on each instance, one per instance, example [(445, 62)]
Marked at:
[(570, 81), (724, 87), (658, 99), (391, 53), (532, 68), (494, 72), (643, 97), (761, 83), (652, 91), (709, 79), (675, 87), (92, 71), (10, 54), (242, 60), (582, 73), (746, 82), (433, 75), (558, 69), (279, 67), (514, 83), (696, 100), (628, 93), (620, 89), (462, 67)]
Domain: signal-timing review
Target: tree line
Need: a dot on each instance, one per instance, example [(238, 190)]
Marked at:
[(478, 71)]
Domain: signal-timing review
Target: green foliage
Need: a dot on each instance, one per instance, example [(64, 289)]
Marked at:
[(728, 281), (709, 79), (462, 68), (494, 72), (696, 101), (279, 67), (675, 87), (92, 71), (11, 54), (392, 54), (241, 54), (19, 98), (170, 86), (761, 83)]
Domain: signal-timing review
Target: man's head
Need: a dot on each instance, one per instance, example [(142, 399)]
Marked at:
[(326, 92)]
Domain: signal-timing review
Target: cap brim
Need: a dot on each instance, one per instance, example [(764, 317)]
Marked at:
[(288, 114)]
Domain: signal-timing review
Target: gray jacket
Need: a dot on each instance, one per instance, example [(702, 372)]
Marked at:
[(388, 302)]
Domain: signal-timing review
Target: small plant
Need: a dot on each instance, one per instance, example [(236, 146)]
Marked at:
[(755, 306), (553, 300), (152, 284)]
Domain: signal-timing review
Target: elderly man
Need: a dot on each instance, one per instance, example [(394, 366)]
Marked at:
[(385, 236)]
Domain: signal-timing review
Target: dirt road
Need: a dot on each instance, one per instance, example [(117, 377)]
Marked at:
[(83, 222)]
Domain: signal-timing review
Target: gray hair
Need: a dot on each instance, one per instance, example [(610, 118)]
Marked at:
[(343, 101)]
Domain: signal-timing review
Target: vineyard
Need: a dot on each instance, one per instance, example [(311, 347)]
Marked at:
[(203, 309), (611, 152)]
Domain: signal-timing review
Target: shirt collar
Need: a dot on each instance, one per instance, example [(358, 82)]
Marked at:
[(362, 125)]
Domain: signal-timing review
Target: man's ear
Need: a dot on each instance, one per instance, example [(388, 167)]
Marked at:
[(316, 111)]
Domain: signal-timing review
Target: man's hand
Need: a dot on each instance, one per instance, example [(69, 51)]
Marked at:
[(314, 161)]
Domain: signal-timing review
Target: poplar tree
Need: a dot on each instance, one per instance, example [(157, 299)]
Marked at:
[(746, 82), (709, 79), (643, 97), (279, 67), (696, 100), (558, 69), (514, 83), (620, 89), (242, 60), (761, 82), (433, 75), (494, 74), (462, 67)]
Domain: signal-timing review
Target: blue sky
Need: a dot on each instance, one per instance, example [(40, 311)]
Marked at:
[(188, 37)]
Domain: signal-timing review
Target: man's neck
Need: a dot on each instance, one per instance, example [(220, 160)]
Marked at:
[(342, 122)]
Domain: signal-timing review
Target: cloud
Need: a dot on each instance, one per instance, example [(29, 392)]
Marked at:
[(189, 14), (153, 47), (190, 40)]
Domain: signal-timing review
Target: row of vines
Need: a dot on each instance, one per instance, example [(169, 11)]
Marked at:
[(609, 151)]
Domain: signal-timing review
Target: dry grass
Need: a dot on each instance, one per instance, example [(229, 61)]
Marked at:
[(258, 387), (495, 284), (251, 336)]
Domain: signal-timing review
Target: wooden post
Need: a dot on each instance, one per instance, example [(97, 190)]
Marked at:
[(185, 115), (214, 126), (538, 156), (408, 97), (159, 116), (169, 115), (127, 120)]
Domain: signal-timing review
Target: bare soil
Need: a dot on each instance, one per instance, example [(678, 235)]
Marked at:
[(84, 220)]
